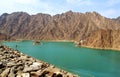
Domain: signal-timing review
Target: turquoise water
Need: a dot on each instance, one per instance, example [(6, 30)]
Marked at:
[(82, 61)]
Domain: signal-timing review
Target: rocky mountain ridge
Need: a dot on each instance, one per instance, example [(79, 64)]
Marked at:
[(91, 28)]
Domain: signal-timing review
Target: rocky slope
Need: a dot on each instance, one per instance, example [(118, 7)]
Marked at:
[(117, 19), (3, 36), (90, 28)]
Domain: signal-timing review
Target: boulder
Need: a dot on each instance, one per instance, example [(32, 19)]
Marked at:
[(1, 65), (1, 46), (9, 64), (33, 67), (5, 72), (25, 75), (13, 72)]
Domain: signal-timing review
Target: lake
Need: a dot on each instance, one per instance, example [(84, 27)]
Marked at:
[(85, 62)]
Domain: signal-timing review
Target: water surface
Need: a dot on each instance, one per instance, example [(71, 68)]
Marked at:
[(82, 61)]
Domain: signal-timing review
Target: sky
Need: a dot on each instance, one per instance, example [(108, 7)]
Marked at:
[(107, 8)]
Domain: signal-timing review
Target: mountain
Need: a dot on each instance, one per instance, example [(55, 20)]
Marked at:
[(3, 36), (89, 29), (117, 19)]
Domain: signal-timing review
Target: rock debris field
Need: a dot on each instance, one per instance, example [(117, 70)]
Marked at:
[(16, 64)]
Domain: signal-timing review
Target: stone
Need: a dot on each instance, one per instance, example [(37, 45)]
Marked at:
[(44, 74), (26, 68), (1, 49), (25, 75), (33, 67), (1, 70), (18, 76), (1, 65), (34, 74), (1, 46), (11, 74), (59, 75), (36, 65), (28, 62), (20, 68), (9, 64), (5, 72)]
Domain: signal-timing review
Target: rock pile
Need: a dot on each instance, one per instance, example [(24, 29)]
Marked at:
[(16, 64)]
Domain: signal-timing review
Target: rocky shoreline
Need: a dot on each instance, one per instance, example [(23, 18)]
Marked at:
[(90, 47), (16, 64)]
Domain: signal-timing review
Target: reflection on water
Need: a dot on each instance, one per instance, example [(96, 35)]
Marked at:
[(83, 61)]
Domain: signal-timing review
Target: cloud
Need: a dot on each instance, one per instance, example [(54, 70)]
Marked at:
[(72, 1), (110, 13), (80, 2), (25, 1), (113, 2), (30, 6)]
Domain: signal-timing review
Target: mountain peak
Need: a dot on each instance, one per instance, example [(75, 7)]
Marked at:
[(70, 11), (4, 14)]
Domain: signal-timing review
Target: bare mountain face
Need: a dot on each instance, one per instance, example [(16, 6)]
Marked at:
[(117, 19), (90, 29), (3, 36)]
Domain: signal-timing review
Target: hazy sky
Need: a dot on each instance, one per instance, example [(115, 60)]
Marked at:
[(107, 8)]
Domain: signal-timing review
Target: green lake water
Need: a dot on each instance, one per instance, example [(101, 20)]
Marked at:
[(82, 61)]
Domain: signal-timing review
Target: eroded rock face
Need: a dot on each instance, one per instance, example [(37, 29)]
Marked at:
[(117, 19), (96, 30), (3, 36), (16, 64)]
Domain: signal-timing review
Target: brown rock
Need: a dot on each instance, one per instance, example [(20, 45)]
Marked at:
[(12, 73), (33, 67), (25, 75), (1, 65), (5, 72)]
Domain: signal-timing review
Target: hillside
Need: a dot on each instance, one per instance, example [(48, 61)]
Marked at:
[(3, 36), (91, 28)]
